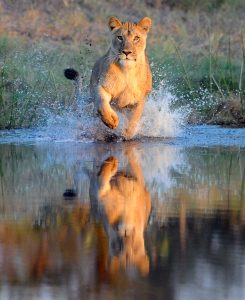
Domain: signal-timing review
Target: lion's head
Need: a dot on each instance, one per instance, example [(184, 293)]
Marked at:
[(128, 40)]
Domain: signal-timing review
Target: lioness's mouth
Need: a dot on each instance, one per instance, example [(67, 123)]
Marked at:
[(122, 57), (127, 59)]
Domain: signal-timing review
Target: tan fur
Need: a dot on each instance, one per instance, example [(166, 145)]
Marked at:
[(126, 204), (122, 77)]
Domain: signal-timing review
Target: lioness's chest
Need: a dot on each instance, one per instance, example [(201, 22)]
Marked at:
[(129, 96), (128, 92)]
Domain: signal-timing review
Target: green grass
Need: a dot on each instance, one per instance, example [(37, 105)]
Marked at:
[(201, 81), (32, 81)]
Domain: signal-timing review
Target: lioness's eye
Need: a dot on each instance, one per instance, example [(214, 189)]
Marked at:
[(137, 38), (120, 38)]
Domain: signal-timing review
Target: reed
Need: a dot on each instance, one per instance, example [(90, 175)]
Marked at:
[(241, 92), (186, 76)]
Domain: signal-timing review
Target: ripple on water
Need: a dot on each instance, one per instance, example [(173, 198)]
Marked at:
[(202, 135)]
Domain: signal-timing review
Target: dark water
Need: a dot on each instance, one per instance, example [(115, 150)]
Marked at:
[(143, 219)]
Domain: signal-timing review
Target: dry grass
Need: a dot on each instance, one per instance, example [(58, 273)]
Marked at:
[(198, 47)]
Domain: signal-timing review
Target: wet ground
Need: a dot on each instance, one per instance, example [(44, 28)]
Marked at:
[(147, 219)]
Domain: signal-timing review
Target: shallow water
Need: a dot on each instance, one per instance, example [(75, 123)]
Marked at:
[(188, 192)]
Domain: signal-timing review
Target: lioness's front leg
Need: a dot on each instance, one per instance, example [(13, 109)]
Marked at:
[(107, 171), (129, 131), (108, 115)]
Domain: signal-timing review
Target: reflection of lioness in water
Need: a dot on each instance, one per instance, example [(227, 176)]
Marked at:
[(123, 205), (122, 77)]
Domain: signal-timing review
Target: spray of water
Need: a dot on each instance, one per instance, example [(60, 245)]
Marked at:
[(158, 120)]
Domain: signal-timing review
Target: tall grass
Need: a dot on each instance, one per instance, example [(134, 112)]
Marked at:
[(31, 80), (195, 47), (208, 82), (241, 80)]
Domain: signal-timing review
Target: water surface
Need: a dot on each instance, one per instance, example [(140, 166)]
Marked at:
[(152, 219)]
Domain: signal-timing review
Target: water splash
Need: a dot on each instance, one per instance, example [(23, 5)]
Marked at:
[(79, 123), (158, 120)]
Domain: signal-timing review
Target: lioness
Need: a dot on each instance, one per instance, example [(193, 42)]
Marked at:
[(122, 204), (122, 77)]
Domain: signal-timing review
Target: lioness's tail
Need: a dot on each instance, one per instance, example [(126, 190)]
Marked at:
[(74, 75), (71, 74)]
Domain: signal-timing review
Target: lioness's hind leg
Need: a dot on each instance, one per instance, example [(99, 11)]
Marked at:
[(131, 128)]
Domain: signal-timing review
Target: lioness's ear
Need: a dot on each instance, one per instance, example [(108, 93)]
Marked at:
[(145, 24), (114, 23)]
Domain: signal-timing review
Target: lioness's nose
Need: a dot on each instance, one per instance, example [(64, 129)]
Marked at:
[(127, 52)]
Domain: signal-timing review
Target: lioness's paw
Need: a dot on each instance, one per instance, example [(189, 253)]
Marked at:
[(109, 167), (109, 119), (113, 120), (112, 164)]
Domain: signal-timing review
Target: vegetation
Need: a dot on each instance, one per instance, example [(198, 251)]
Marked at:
[(197, 48)]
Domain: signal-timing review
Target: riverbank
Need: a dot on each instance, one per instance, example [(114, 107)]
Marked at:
[(196, 52)]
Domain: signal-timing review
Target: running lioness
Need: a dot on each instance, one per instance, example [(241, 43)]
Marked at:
[(122, 77)]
